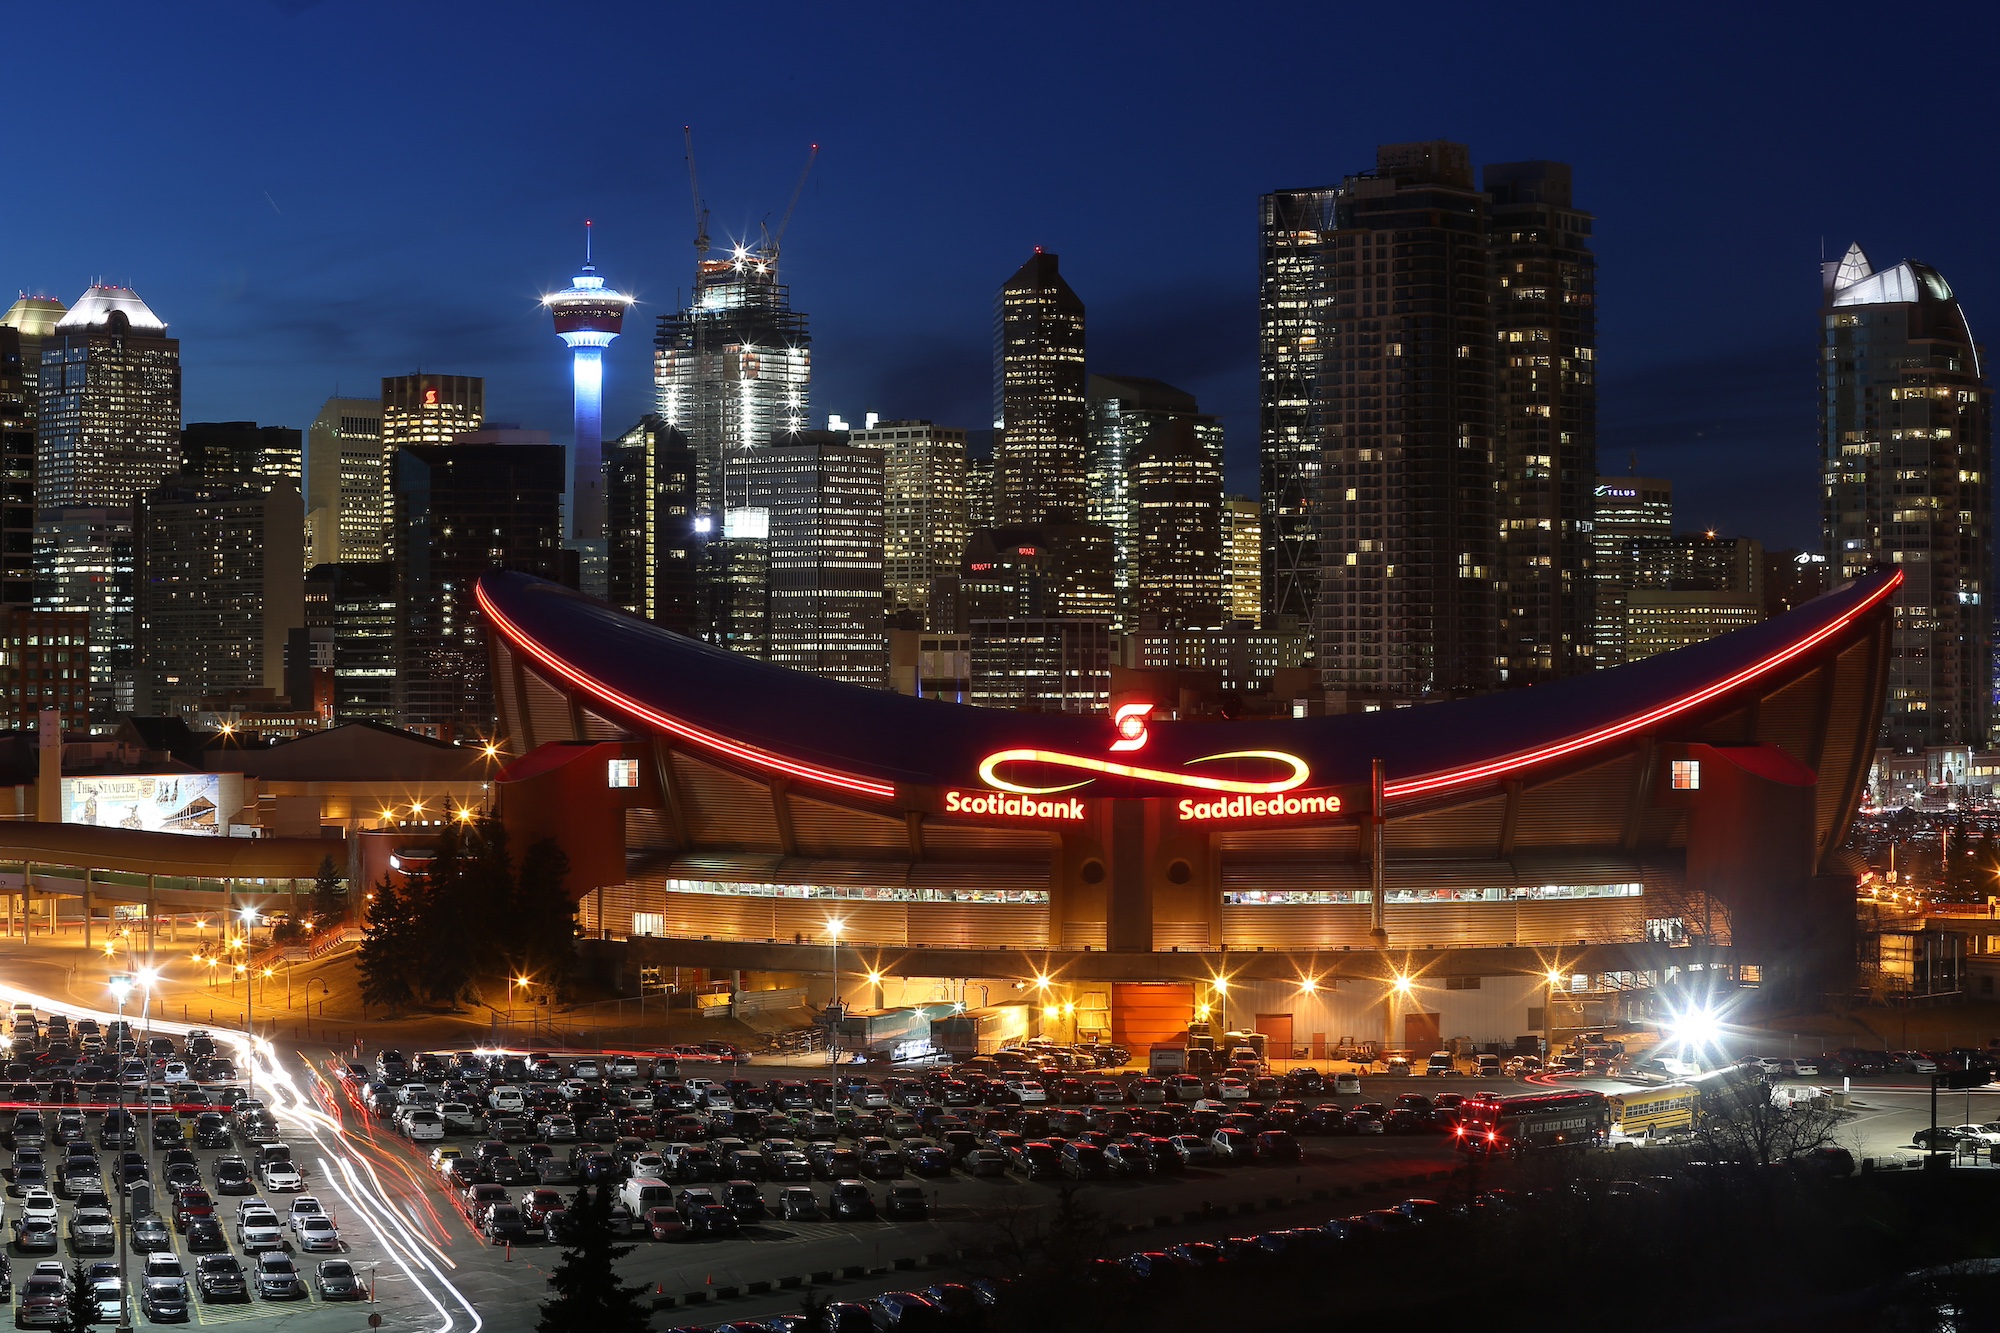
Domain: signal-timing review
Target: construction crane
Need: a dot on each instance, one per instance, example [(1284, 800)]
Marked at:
[(778, 236), (700, 211)]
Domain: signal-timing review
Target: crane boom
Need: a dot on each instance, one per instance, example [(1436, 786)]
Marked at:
[(778, 237), (694, 185)]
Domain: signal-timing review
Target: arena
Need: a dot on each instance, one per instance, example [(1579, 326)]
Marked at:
[(1401, 874)]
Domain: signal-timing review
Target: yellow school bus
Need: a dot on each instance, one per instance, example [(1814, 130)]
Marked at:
[(1644, 1113)]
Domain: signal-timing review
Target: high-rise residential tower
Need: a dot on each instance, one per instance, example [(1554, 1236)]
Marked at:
[(460, 510), (822, 497), (1292, 299), (1041, 426), (219, 578), (218, 450), (1544, 300), (344, 482), (1124, 411), (927, 512), (1631, 541), (733, 370), (1405, 397), (1906, 457), (83, 565), (109, 403), (653, 553), (588, 315), (1174, 497), (1243, 559)]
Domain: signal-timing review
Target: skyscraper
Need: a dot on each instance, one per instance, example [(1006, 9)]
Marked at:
[(1545, 417), (351, 607), (1631, 540), (83, 565), (217, 450), (588, 315), (109, 403), (1405, 398), (733, 370), (1174, 498), (1906, 453), (17, 473), (345, 491), (218, 579), (653, 552), (927, 512), (34, 318), (430, 409), (1124, 411), (1243, 559), (1713, 585), (1292, 326), (823, 497), (459, 510), (1041, 426)]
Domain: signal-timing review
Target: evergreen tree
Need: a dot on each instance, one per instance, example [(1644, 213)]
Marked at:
[(329, 900), (589, 1298), (389, 959), (544, 917), (79, 1310)]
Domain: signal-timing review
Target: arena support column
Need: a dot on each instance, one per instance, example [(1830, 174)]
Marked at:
[(1378, 917)]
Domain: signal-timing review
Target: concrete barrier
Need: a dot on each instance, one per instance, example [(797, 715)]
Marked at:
[(1164, 1220), (936, 1260), (727, 1293), (852, 1271), (822, 1277), (663, 1302), (789, 1283), (757, 1288), (695, 1297), (905, 1263)]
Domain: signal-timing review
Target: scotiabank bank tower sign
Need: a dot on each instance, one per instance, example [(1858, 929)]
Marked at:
[(1037, 784)]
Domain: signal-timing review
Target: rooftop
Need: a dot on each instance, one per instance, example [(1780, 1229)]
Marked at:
[(96, 306)]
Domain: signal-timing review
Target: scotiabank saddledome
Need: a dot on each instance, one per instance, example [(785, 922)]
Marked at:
[(1700, 796)]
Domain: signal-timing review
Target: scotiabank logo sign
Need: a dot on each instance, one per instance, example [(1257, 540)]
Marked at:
[(1021, 807), (1257, 807)]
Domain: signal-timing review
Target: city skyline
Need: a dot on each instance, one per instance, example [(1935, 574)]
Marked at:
[(1723, 404)]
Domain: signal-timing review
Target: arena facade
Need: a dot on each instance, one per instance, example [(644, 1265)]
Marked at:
[(1438, 870)]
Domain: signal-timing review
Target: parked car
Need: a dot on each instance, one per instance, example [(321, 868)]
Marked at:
[(278, 1278), (219, 1277), (336, 1280)]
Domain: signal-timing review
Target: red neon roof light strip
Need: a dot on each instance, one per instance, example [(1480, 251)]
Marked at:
[(1542, 754), (625, 703)]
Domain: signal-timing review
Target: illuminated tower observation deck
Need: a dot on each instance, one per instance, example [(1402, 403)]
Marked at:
[(588, 316)]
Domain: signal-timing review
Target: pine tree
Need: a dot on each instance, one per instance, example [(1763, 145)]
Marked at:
[(329, 900), (79, 1310), (388, 962), (589, 1298), (544, 916)]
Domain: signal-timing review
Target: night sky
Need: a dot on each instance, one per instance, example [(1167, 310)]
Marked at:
[(317, 194)]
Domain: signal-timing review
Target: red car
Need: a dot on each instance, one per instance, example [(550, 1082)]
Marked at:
[(665, 1224), (191, 1204)]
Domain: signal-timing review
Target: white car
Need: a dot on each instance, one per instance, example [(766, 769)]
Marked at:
[(1769, 1064), (38, 1205), (176, 1071), (1799, 1068), (1977, 1134), (504, 1098), (586, 1069), (283, 1177), (461, 1118), (316, 1232), (303, 1207), (623, 1066), (1027, 1091), (257, 1230), (1231, 1089), (1347, 1085), (422, 1127)]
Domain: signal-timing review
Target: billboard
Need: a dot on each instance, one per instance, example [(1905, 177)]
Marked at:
[(157, 803)]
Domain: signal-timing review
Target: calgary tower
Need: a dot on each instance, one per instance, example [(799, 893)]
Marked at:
[(588, 316)]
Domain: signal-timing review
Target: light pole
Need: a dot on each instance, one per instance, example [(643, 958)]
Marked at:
[(833, 925), (121, 987), (1220, 985), (249, 915)]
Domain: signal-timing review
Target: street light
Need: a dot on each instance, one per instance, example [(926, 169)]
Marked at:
[(121, 987), (833, 928)]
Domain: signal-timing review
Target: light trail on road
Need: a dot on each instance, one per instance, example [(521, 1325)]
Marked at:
[(342, 1159)]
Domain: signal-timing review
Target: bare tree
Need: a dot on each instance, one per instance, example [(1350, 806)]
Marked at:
[(1759, 1132)]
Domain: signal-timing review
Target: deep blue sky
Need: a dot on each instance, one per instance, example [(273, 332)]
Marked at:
[(317, 194)]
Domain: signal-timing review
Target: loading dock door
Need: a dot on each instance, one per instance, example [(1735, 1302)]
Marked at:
[(1277, 1030), (1420, 1034), (1146, 1014)]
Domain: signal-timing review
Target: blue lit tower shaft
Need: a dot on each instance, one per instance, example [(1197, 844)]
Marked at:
[(588, 315)]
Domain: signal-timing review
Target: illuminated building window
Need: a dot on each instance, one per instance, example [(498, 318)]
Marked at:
[(1687, 775), (624, 773)]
